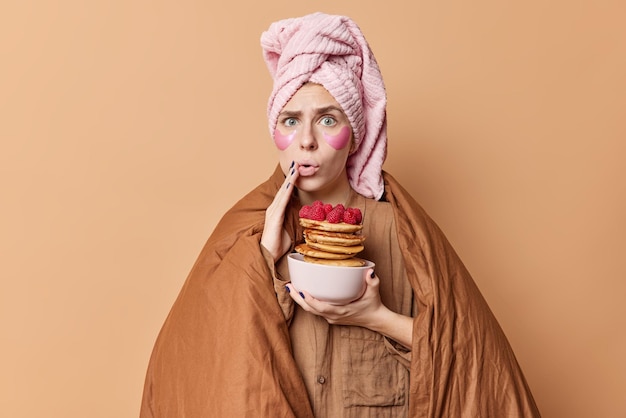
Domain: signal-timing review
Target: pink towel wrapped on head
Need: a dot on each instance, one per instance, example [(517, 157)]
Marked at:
[(332, 51)]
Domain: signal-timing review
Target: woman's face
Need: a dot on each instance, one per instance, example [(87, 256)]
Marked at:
[(313, 131)]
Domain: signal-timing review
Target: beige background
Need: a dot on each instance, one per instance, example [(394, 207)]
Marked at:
[(128, 128)]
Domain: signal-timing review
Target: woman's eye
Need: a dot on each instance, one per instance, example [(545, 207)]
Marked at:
[(328, 121), (290, 122)]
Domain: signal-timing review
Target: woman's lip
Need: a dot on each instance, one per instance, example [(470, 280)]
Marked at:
[(307, 170)]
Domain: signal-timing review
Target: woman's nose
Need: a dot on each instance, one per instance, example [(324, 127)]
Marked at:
[(307, 139)]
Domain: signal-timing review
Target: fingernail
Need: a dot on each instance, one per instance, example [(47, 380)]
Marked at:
[(288, 184), (301, 295), (293, 170), (292, 163), (372, 275), (287, 289)]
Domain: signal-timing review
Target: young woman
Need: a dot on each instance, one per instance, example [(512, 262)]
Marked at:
[(241, 341), (337, 363)]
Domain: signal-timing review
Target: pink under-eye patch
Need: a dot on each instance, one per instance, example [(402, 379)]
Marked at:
[(340, 140), (283, 141)]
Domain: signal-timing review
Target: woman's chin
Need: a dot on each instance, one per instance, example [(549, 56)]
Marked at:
[(309, 184)]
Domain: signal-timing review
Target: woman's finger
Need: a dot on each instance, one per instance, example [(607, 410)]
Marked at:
[(278, 205), (284, 194), (274, 237)]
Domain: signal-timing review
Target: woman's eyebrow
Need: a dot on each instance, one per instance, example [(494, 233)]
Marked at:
[(327, 109), (319, 111), (289, 113)]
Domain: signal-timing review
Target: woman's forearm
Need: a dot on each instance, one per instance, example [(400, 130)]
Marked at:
[(394, 326)]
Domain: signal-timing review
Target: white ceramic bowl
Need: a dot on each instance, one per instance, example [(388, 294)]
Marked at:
[(334, 284)]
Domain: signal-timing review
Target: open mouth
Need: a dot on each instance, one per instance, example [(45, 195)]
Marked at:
[(307, 169)]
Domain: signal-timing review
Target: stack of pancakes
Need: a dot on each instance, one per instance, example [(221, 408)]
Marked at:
[(335, 244)]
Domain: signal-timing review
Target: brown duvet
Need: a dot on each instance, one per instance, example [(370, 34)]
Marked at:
[(224, 349)]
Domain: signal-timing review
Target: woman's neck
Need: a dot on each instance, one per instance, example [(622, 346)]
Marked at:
[(339, 193)]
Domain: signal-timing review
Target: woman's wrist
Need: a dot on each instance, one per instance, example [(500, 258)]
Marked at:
[(393, 326)]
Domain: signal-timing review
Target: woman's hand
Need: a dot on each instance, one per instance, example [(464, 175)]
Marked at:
[(368, 311), (361, 312), (275, 238)]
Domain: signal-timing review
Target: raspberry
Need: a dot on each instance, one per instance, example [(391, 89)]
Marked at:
[(305, 212), (317, 213), (318, 203), (358, 214), (336, 215), (352, 216), (327, 208), (349, 217)]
